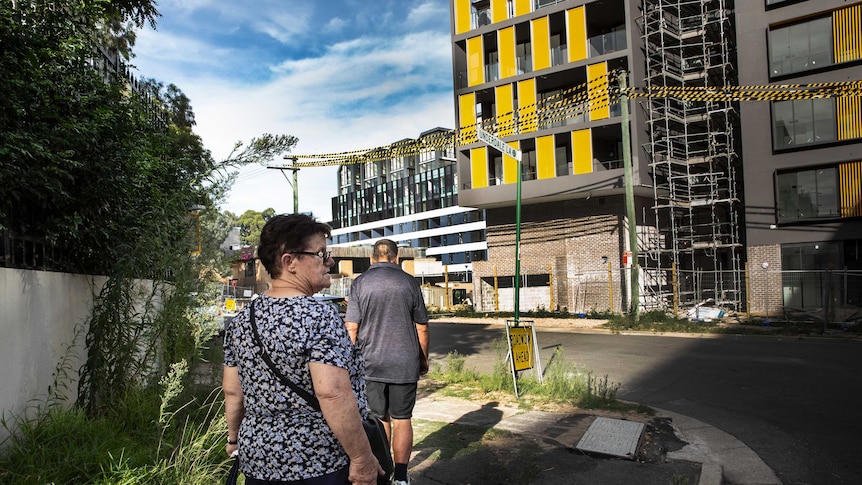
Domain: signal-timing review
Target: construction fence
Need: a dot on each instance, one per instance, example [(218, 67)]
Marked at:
[(830, 296), (833, 296)]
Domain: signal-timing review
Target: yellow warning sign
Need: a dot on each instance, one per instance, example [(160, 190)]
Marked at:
[(522, 347), (230, 304)]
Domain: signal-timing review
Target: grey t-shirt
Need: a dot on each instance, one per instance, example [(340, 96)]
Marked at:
[(386, 302)]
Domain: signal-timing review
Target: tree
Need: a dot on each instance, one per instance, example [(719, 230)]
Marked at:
[(251, 223), (106, 175)]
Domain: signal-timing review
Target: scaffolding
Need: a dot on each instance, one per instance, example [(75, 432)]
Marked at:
[(692, 148)]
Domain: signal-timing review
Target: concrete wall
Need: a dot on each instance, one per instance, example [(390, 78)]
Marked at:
[(38, 324)]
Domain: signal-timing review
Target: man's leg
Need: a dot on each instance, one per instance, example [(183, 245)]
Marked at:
[(402, 399), (402, 440)]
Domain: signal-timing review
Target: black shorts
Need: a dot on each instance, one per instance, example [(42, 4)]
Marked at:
[(394, 401)]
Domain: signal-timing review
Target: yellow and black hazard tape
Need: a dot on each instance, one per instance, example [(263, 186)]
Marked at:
[(596, 94)]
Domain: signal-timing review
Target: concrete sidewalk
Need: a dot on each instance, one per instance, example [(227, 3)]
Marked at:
[(705, 454)]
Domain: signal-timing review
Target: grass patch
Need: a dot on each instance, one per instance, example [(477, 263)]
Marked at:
[(661, 322), (444, 441), (147, 437), (657, 321), (496, 456), (563, 385)]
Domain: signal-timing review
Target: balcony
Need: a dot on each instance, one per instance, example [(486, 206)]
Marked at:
[(607, 43), (480, 18), (546, 3), (492, 72), (559, 55), (524, 64)]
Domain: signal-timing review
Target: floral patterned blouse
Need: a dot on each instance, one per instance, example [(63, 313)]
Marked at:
[(281, 437)]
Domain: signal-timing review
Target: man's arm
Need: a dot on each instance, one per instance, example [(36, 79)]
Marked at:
[(422, 332), (352, 330)]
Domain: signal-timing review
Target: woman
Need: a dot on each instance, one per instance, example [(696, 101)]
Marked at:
[(280, 438)]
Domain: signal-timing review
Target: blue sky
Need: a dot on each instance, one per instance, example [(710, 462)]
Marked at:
[(339, 75)]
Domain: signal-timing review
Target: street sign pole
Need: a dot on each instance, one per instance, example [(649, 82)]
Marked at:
[(507, 149), (518, 246)]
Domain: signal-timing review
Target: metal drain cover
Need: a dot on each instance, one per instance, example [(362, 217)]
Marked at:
[(614, 437)]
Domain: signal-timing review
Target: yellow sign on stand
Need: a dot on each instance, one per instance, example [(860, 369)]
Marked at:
[(523, 350), (521, 339), (230, 304)]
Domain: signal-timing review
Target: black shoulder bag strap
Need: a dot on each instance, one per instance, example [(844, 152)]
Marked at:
[(309, 398)]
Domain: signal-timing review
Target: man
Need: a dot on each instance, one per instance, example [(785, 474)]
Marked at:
[(387, 320)]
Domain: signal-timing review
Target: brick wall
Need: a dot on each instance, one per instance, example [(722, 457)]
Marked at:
[(565, 240), (764, 285)]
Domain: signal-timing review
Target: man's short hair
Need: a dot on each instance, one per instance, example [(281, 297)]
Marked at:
[(385, 250)]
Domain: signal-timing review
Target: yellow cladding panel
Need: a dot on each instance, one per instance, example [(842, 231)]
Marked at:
[(527, 114), (523, 7), (597, 86), (850, 180), (467, 118), (847, 34), (499, 10), (541, 43), (506, 50), (505, 116), (849, 117), (462, 16), (576, 23), (510, 165), (582, 152), (475, 61), (546, 167), (479, 167)]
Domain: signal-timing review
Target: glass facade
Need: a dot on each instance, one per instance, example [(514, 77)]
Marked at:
[(808, 194), (411, 199), (800, 47), (802, 122)]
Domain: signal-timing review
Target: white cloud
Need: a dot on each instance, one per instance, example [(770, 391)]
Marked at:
[(354, 94), (429, 12), (284, 26), (335, 24), (166, 50)]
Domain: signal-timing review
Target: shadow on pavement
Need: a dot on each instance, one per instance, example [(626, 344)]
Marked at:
[(468, 451)]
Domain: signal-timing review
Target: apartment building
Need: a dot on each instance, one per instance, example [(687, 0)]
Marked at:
[(409, 194), (539, 74), (802, 157)]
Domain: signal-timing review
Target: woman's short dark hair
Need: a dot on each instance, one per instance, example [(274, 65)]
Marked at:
[(284, 233)]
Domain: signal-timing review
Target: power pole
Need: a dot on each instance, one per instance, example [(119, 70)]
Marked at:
[(293, 184), (630, 195)]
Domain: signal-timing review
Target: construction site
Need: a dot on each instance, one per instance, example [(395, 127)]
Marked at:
[(695, 252), (690, 249)]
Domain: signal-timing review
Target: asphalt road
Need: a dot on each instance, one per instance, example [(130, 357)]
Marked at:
[(794, 401)]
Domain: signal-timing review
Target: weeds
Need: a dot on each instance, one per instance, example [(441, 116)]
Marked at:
[(161, 434), (563, 383)]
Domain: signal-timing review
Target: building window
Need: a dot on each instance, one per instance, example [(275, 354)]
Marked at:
[(249, 269), (808, 194), (803, 122), (780, 3), (481, 14), (800, 47), (524, 57)]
